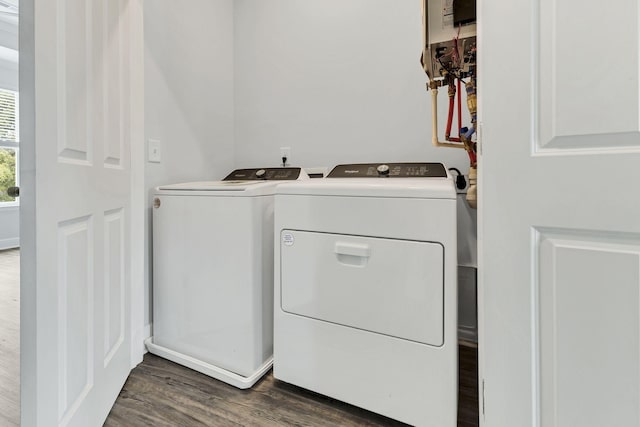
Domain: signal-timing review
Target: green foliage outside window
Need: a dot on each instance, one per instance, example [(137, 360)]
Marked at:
[(8, 138), (7, 173)]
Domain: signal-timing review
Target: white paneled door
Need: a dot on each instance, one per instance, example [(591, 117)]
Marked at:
[(78, 119), (560, 213)]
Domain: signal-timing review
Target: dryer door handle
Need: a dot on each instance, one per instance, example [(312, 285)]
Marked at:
[(353, 249)]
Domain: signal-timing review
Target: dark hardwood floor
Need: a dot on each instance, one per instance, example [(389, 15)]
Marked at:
[(468, 387), (10, 338), (161, 393)]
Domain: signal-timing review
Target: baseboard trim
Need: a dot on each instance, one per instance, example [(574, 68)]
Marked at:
[(9, 243), (147, 335)]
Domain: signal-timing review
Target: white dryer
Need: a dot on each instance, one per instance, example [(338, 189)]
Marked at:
[(213, 274), (365, 289)]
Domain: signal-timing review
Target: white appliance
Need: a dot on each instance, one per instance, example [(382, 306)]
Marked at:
[(213, 274), (365, 289)]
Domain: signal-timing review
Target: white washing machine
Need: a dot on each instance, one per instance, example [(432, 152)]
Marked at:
[(365, 289), (213, 274)]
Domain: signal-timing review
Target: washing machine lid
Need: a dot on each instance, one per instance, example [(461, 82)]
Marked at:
[(402, 180), (220, 189), (240, 182), (212, 186)]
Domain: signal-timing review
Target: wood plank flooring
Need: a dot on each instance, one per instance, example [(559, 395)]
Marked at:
[(10, 338), (163, 394)]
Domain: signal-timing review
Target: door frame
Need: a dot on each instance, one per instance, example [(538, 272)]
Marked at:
[(138, 198)]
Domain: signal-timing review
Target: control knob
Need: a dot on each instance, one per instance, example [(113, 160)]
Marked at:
[(260, 173), (383, 170)]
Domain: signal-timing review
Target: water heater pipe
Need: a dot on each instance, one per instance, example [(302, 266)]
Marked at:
[(472, 191), (434, 118)]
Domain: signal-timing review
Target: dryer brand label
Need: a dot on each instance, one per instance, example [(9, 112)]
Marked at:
[(287, 239)]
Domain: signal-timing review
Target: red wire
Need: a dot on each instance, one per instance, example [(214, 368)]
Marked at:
[(472, 157), (449, 118)]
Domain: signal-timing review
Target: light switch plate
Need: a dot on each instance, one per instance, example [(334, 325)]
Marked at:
[(154, 155)]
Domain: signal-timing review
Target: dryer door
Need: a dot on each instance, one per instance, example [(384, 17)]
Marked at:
[(385, 286)]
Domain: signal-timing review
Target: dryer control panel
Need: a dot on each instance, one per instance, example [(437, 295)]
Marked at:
[(389, 170), (264, 174)]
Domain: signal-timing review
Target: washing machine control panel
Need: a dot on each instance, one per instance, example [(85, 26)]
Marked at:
[(389, 170), (265, 174)]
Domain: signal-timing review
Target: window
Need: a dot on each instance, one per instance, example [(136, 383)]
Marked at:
[(9, 139)]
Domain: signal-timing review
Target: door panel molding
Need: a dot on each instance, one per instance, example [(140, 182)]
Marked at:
[(114, 281), (602, 114), (583, 278), (74, 88), (115, 76), (75, 314)]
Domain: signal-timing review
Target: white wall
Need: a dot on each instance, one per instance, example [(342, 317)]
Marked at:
[(337, 81), (340, 82), (9, 216), (9, 227), (188, 95), (229, 82)]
